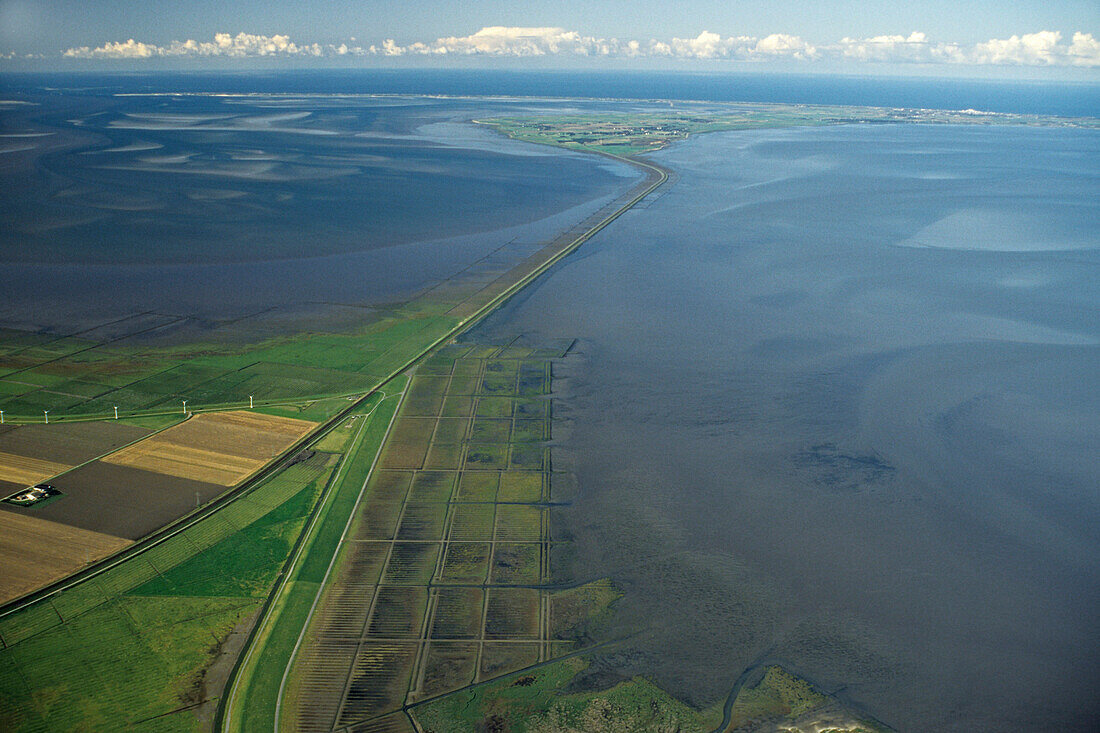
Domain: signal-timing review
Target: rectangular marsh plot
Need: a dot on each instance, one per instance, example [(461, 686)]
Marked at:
[(458, 406), (324, 668), (412, 563), (449, 666), (498, 384), (444, 457), (362, 563), (516, 564), (494, 407), (379, 680), (395, 723), (472, 522), (502, 366), (487, 456), (528, 457), (433, 485), (464, 384), (467, 366), (422, 522), (521, 486), (519, 523), (377, 521), (458, 613), (515, 352), (498, 659), (408, 442), (465, 562), (534, 379), (398, 612), (389, 485), (490, 430), (451, 430), (533, 408), (343, 612), (481, 351), (530, 430), (425, 396), (477, 486), (513, 613)]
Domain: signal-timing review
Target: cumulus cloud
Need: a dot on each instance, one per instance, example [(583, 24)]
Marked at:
[(1045, 48), (511, 41), (224, 44), (527, 42)]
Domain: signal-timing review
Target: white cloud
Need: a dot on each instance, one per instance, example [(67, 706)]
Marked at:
[(1045, 48), (510, 41), (224, 44)]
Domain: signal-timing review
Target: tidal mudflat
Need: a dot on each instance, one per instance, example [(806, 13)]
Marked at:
[(220, 206), (834, 406)]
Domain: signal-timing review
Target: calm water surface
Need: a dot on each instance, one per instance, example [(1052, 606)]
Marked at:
[(836, 404)]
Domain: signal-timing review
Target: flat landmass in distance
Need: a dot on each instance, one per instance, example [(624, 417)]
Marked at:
[(644, 132), (461, 499)]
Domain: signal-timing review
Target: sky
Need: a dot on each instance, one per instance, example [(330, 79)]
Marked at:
[(1027, 38)]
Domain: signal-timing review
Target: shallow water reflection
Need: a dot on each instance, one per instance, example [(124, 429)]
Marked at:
[(800, 438)]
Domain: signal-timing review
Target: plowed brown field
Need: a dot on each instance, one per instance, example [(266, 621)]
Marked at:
[(221, 448), (34, 552)]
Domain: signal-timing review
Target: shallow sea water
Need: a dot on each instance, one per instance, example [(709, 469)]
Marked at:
[(221, 206), (835, 404)]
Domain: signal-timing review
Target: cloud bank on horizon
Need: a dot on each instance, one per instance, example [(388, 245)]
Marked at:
[(1043, 48)]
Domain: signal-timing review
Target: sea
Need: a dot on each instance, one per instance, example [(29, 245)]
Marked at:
[(834, 401)]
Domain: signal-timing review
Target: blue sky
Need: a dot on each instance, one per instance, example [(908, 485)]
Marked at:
[(1015, 37)]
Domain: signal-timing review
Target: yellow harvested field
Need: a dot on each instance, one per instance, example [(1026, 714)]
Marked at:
[(28, 471), (221, 448), (35, 552)]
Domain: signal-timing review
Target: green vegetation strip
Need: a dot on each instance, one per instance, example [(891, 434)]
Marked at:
[(252, 701)]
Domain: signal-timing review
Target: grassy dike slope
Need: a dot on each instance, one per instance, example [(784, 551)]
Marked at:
[(253, 700)]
